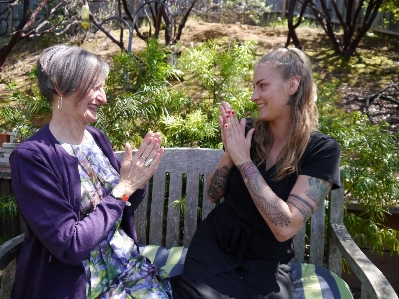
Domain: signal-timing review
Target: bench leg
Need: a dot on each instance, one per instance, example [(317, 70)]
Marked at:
[(8, 279)]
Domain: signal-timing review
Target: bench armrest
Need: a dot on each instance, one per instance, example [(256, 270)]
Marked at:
[(9, 250), (374, 283)]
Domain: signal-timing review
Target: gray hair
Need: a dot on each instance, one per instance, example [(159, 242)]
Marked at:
[(65, 70)]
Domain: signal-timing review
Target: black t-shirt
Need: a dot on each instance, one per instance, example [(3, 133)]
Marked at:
[(233, 250), (321, 160)]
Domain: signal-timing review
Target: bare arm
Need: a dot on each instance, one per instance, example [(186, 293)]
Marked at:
[(285, 219)]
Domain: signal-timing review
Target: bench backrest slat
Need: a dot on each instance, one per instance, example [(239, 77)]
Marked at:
[(157, 208), (299, 241), (182, 173), (317, 225), (173, 222), (191, 213)]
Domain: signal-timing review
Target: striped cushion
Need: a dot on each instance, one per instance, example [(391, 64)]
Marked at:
[(171, 260), (317, 282), (310, 281)]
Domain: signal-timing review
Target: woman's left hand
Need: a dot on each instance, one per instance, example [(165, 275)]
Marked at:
[(138, 169), (237, 143)]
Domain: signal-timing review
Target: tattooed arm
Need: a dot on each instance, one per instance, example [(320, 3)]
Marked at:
[(285, 219), (217, 181)]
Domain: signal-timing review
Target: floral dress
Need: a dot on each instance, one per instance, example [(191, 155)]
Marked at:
[(114, 269)]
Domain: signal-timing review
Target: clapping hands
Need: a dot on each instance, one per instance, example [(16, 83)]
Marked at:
[(138, 169), (236, 144)]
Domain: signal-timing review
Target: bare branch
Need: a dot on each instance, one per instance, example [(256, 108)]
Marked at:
[(34, 14), (106, 32)]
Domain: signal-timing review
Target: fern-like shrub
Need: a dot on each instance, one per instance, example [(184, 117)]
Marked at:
[(369, 170)]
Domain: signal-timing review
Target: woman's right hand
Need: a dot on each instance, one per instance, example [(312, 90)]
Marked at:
[(225, 111), (134, 173)]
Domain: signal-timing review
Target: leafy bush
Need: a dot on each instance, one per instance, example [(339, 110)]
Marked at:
[(8, 206), (151, 100), (25, 114), (8, 217), (369, 165)]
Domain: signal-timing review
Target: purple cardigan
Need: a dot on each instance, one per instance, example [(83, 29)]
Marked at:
[(46, 185)]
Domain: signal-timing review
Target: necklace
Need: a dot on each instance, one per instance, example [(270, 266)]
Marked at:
[(97, 182)]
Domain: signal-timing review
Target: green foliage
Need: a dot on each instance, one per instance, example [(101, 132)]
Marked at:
[(391, 6), (25, 114), (8, 206), (138, 105), (150, 101), (369, 164), (8, 218), (248, 12), (222, 70)]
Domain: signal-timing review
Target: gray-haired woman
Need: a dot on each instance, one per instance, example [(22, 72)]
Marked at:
[(272, 175), (74, 196)]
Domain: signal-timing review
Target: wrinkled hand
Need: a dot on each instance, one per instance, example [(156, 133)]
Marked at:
[(134, 173), (236, 143)]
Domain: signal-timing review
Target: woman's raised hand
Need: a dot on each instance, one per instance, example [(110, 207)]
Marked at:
[(225, 113), (235, 141), (138, 169)]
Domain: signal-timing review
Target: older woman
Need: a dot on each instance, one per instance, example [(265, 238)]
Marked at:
[(273, 176), (75, 198)]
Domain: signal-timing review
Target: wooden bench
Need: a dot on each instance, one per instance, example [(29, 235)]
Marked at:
[(182, 173)]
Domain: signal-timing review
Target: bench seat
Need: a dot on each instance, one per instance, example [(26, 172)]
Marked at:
[(310, 281)]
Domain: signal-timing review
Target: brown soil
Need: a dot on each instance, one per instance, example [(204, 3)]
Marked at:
[(353, 79)]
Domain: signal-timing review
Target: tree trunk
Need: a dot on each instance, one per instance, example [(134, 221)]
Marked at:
[(121, 24), (348, 45), (183, 21), (16, 36), (134, 26), (291, 27)]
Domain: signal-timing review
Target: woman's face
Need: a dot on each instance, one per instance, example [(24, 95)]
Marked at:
[(87, 108), (271, 93)]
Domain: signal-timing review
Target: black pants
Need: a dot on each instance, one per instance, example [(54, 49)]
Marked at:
[(224, 286)]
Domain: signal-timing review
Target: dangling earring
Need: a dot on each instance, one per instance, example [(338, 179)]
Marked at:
[(59, 103)]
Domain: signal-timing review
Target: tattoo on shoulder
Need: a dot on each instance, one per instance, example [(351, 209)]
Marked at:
[(318, 190), (219, 182)]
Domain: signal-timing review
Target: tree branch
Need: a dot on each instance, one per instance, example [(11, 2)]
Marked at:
[(106, 32)]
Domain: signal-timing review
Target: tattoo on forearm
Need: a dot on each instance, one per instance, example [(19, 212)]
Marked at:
[(265, 200), (248, 170), (302, 205), (218, 183), (318, 190)]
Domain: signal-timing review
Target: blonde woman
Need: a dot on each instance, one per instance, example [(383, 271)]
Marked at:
[(273, 175)]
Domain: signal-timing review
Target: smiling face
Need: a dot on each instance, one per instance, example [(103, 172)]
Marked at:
[(86, 108), (271, 93), (84, 111)]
